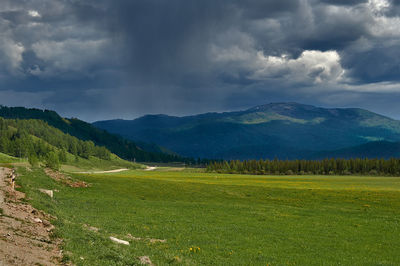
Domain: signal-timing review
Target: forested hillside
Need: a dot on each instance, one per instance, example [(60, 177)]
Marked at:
[(37, 141), (84, 131)]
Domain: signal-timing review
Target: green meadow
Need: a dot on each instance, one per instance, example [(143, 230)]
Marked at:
[(217, 219)]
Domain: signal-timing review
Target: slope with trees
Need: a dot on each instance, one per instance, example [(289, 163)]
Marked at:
[(37, 141), (84, 131)]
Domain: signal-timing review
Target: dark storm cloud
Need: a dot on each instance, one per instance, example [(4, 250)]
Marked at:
[(374, 65), (163, 47), (102, 59), (344, 2), (336, 29), (255, 9)]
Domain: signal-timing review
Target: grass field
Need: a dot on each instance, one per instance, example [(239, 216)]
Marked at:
[(216, 219)]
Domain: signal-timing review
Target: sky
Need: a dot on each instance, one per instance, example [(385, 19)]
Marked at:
[(104, 59)]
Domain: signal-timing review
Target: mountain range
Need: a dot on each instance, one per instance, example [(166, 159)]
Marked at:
[(275, 130)]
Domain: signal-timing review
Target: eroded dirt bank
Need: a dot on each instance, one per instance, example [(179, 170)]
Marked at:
[(24, 231)]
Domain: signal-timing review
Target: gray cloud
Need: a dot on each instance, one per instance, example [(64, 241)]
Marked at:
[(103, 59), (344, 2)]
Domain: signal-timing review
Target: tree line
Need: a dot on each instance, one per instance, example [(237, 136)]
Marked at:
[(36, 140), (356, 166)]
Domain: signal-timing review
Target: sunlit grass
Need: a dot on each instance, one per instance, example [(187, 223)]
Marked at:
[(4, 158), (298, 182), (219, 219)]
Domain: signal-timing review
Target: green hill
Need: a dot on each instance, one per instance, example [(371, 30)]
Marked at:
[(281, 130), (35, 141), (84, 131)]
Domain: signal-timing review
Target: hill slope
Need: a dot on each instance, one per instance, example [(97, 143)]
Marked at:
[(283, 130), (85, 131), (34, 140)]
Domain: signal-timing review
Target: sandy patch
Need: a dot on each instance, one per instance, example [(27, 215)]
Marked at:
[(67, 180)]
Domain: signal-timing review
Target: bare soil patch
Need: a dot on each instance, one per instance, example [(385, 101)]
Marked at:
[(67, 180), (24, 231)]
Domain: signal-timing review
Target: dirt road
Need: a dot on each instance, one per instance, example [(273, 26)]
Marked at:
[(24, 231), (104, 172)]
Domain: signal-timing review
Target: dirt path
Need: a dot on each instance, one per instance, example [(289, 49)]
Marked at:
[(24, 231), (104, 172), (150, 168)]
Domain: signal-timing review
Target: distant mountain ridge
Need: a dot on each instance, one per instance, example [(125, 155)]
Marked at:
[(281, 130)]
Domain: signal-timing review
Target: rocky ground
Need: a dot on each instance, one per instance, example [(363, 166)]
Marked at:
[(24, 231)]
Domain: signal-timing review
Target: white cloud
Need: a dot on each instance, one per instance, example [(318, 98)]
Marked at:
[(381, 25), (34, 13), (311, 66), (378, 6), (387, 27), (12, 54)]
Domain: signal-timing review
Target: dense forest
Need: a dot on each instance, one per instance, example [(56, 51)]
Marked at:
[(309, 167), (125, 149), (36, 140)]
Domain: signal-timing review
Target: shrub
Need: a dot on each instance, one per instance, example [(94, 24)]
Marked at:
[(289, 172), (33, 160), (373, 172), (52, 161)]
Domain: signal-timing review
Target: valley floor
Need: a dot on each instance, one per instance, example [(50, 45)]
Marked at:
[(188, 217)]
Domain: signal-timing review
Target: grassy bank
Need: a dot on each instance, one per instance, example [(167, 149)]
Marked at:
[(4, 158), (218, 219), (74, 164)]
